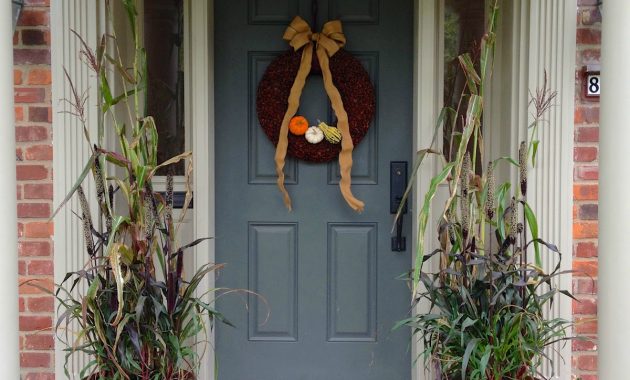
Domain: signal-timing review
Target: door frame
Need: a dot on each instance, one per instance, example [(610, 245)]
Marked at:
[(425, 97)]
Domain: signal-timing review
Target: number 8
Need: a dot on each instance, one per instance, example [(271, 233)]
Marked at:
[(593, 86)]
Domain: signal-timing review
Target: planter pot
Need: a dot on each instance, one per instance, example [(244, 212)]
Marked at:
[(186, 376)]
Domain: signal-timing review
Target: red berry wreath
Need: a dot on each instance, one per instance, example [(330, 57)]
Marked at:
[(350, 78)]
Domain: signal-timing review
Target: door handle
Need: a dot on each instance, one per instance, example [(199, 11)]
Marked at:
[(397, 187)]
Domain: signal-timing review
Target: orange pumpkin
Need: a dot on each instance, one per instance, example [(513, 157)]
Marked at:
[(298, 125)]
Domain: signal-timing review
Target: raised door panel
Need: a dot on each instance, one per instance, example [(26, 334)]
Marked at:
[(273, 281), (352, 282), (269, 12), (355, 11), (261, 166)]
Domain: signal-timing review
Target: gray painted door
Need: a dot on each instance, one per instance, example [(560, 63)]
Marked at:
[(327, 274)]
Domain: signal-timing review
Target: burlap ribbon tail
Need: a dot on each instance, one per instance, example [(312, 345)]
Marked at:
[(328, 42)]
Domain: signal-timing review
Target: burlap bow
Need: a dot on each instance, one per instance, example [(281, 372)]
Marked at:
[(328, 42)]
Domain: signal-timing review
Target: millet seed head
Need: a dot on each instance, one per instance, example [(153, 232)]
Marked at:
[(522, 164), (465, 175), (86, 219), (490, 197), (513, 221)]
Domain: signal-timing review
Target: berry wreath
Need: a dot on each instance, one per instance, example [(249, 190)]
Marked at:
[(350, 78)]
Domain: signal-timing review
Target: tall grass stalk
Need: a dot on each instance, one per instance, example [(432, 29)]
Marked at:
[(486, 298), (139, 316)]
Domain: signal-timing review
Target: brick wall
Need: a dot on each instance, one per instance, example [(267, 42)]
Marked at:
[(585, 189), (32, 80)]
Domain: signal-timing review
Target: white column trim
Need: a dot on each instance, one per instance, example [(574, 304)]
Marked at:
[(534, 37), (9, 312), (552, 45), (614, 204), (71, 152)]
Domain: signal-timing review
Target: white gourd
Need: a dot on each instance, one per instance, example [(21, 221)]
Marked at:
[(314, 135)]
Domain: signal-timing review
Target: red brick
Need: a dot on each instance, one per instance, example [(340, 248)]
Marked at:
[(41, 304), (38, 191), (31, 133), (19, 113), (587, 134), (34, 248), (584, 286), (40, 376), (39, 341), (588, 36), (29, 95), (586, 115), (33, 210), (584, 154), (22, 304), (37, 2), (40, 267), (31, 56), (586, 230), (588, 211), (586, 250), (591, 16), (587, 172), (586, 326), (29, 287), (39, 77), (584, 345), (587, 362), (35, 37), (31, 172), (21, 268), (40, 114), (33, 17), (588, 377), (585, 306), (590, 57), (585, 268), (39, 153), (38, 229), (35, 360), (35, 323), (17, 76), (584, 192)]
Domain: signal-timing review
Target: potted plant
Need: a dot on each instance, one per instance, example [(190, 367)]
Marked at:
[(484, 288), (131, 309)]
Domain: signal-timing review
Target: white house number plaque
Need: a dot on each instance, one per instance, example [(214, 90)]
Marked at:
[(593, 84)]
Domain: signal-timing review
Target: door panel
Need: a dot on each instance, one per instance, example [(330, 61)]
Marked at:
[(326, 276)]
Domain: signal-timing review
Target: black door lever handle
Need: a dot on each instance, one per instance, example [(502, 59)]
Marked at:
[(397, 187), (399, 243)]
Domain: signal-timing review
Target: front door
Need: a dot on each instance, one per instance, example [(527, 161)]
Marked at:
[(326, 276)]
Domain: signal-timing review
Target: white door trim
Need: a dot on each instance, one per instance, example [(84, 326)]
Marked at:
[(201, 16)]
